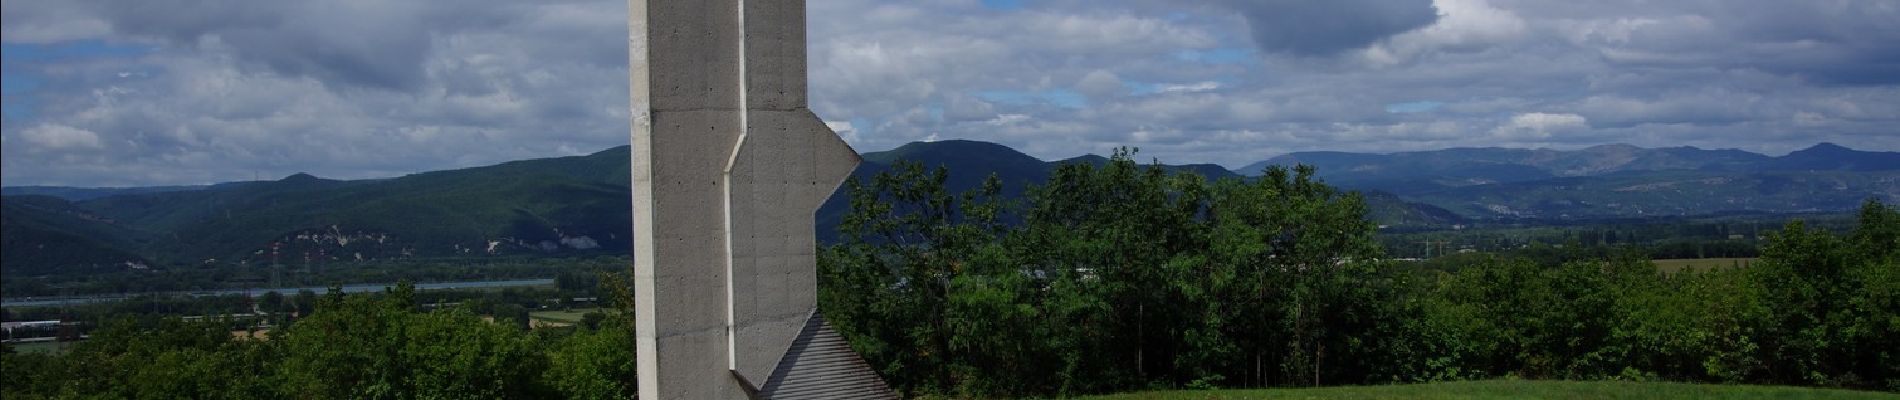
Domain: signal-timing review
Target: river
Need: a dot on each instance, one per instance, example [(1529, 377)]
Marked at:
[(352, 288)]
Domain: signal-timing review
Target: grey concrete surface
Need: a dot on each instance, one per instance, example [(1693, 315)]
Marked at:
[(728, 168)]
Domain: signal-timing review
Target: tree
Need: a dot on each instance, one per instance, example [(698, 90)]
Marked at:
[(592, 320), (305, 302), (1117, 276), (595, 363), (513, 315), (272, 302), (382, 347), (1871, 314), (887, 283)]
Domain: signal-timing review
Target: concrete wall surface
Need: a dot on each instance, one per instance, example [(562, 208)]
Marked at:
[(728, 168)]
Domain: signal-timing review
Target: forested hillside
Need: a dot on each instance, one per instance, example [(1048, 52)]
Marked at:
[(1613, 181), (548, 206), (577, 205), (1117, 277), (43, 234), (1123, 277), (555, 206)]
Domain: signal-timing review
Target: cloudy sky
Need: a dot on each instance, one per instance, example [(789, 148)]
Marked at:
[(149, 92)]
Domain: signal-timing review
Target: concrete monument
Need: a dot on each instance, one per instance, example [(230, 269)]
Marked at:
[(729, 166)]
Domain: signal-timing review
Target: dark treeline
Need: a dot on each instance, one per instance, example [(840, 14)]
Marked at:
[(1695, 240), (1105, 278), (273, 308), (1123, 277), (360, 346), (185, 278)]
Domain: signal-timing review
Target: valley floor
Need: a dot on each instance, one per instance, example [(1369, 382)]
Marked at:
[(1516, 389)]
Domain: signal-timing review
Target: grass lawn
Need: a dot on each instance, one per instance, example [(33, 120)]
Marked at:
[(569, 316), (1700, 264), (41, 347), (1516, 389)]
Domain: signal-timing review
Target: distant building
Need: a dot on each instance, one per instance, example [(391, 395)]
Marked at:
[(24, 330)]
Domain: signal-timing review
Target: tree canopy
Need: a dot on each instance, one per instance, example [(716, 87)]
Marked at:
[(1120, 276)]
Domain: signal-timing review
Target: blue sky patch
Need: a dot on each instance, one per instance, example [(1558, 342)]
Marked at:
[(1005, 5), (1412, 107), (14, 86), (1225, 55), (1146, 88), (16, 83), (1058, 97), (16, 109), (20, 76), (1142, 87), (54, 52)]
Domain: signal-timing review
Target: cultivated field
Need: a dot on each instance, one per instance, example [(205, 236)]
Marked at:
[(1516, 389), (1700, 264), (41, 347), (563, 318)]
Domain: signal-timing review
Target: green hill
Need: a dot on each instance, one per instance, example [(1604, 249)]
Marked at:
[(82, 193), (970, 162), (549, 206), (578, 204), (1669, 193), (42, 232), (555, 205), (1407, 173), (1516, 389), (1832, 157)]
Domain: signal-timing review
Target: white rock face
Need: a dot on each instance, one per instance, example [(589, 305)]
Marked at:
[(580, 242)]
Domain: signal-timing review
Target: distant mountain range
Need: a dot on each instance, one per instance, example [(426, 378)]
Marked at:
[(545, 206), (89, 193), (1614, 180), (569, 205), (1458, 167), (970, 162)]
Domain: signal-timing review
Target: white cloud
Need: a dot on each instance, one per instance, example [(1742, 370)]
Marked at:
[(1008, 119), (60, 137), (1100, 84), (192, 113), (48, 22), (1189, 87), (1539, 126), (355, 89), (1106, 33), (1463, 26), (844, 130)]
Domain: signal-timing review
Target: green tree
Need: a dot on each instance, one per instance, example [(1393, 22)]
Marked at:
[(305, 302), (594, 364), (1109, 233), (513, 315), (592, 320), (1871, 314), (887, 283), (272, 301), (382, 347), (151, 359), (1109, 276)]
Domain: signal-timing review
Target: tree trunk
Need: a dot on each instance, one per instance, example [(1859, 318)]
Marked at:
[(1319, 354), (1259, 377)]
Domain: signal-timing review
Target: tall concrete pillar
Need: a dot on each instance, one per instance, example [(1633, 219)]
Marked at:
[(729, 167)]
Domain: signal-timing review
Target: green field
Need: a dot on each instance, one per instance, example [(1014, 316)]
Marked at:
[(1516, 389), (1700, 264), (566, 317), (41, 347)]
